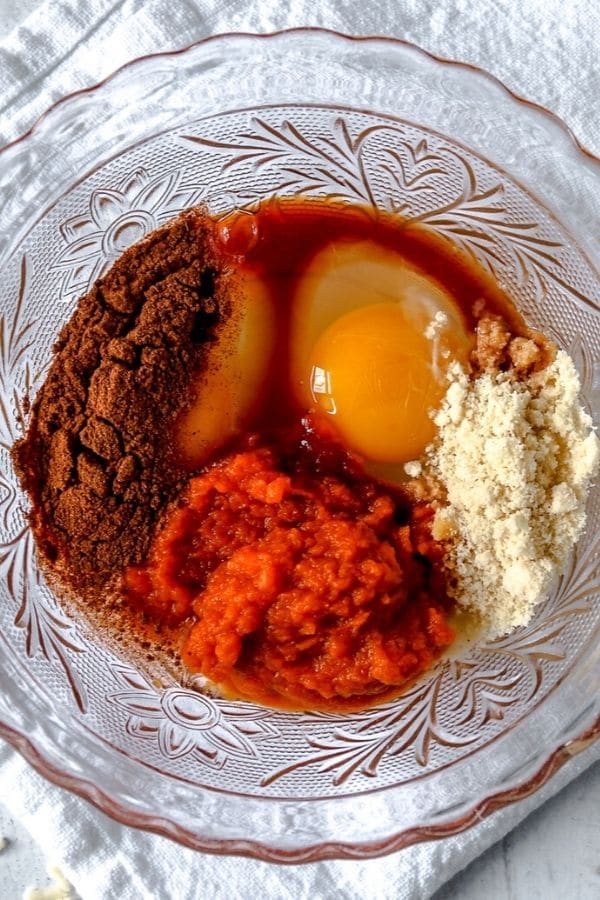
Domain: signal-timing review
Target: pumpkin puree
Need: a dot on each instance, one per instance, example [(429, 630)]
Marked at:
[(297, 588)]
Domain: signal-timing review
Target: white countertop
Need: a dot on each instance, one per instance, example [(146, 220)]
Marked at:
[(554, 853)]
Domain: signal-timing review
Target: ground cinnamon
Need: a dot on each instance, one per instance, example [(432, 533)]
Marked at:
[(96, 459)]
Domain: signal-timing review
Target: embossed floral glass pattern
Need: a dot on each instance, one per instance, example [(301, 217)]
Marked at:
[(372, 122)]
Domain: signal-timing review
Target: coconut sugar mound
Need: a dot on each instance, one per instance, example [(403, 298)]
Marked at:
[(516, 459)]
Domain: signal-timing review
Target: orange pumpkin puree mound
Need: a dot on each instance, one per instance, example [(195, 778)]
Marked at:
[(303, 590)]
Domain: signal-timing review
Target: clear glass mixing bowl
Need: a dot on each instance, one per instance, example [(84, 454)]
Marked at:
[(227, 122)]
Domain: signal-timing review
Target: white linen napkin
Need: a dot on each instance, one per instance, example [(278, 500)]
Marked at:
[(65, 45), (545, 50), (106, 861)]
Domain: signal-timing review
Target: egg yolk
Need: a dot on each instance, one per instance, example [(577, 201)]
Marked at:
[(380, 374), (345, 276)]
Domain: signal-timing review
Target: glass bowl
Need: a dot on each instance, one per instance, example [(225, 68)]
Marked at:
[(227, 122)]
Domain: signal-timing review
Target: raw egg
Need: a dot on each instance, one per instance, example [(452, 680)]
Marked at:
[(234, 375), (374, 337)]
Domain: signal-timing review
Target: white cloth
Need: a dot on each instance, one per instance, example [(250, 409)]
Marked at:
[(106, 861), (545, 50)]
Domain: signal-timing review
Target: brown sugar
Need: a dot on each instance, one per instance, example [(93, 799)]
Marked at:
[(497, 349), (94, 459)]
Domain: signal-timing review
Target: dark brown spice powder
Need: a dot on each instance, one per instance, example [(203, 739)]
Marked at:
[(97, 459)]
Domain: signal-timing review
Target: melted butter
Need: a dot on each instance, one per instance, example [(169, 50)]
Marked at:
[(226, 391)]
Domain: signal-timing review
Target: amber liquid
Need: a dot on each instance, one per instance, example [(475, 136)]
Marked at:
[(279, 240)]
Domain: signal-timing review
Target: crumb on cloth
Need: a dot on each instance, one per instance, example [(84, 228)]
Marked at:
[(61, 889)]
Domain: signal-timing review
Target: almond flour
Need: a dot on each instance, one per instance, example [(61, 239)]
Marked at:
[(516, 459)]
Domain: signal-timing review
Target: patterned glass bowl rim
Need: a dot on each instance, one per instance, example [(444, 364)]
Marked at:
[(577, 740), (396, 42)]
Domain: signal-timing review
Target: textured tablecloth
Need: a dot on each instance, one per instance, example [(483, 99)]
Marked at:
[(546, 50)]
